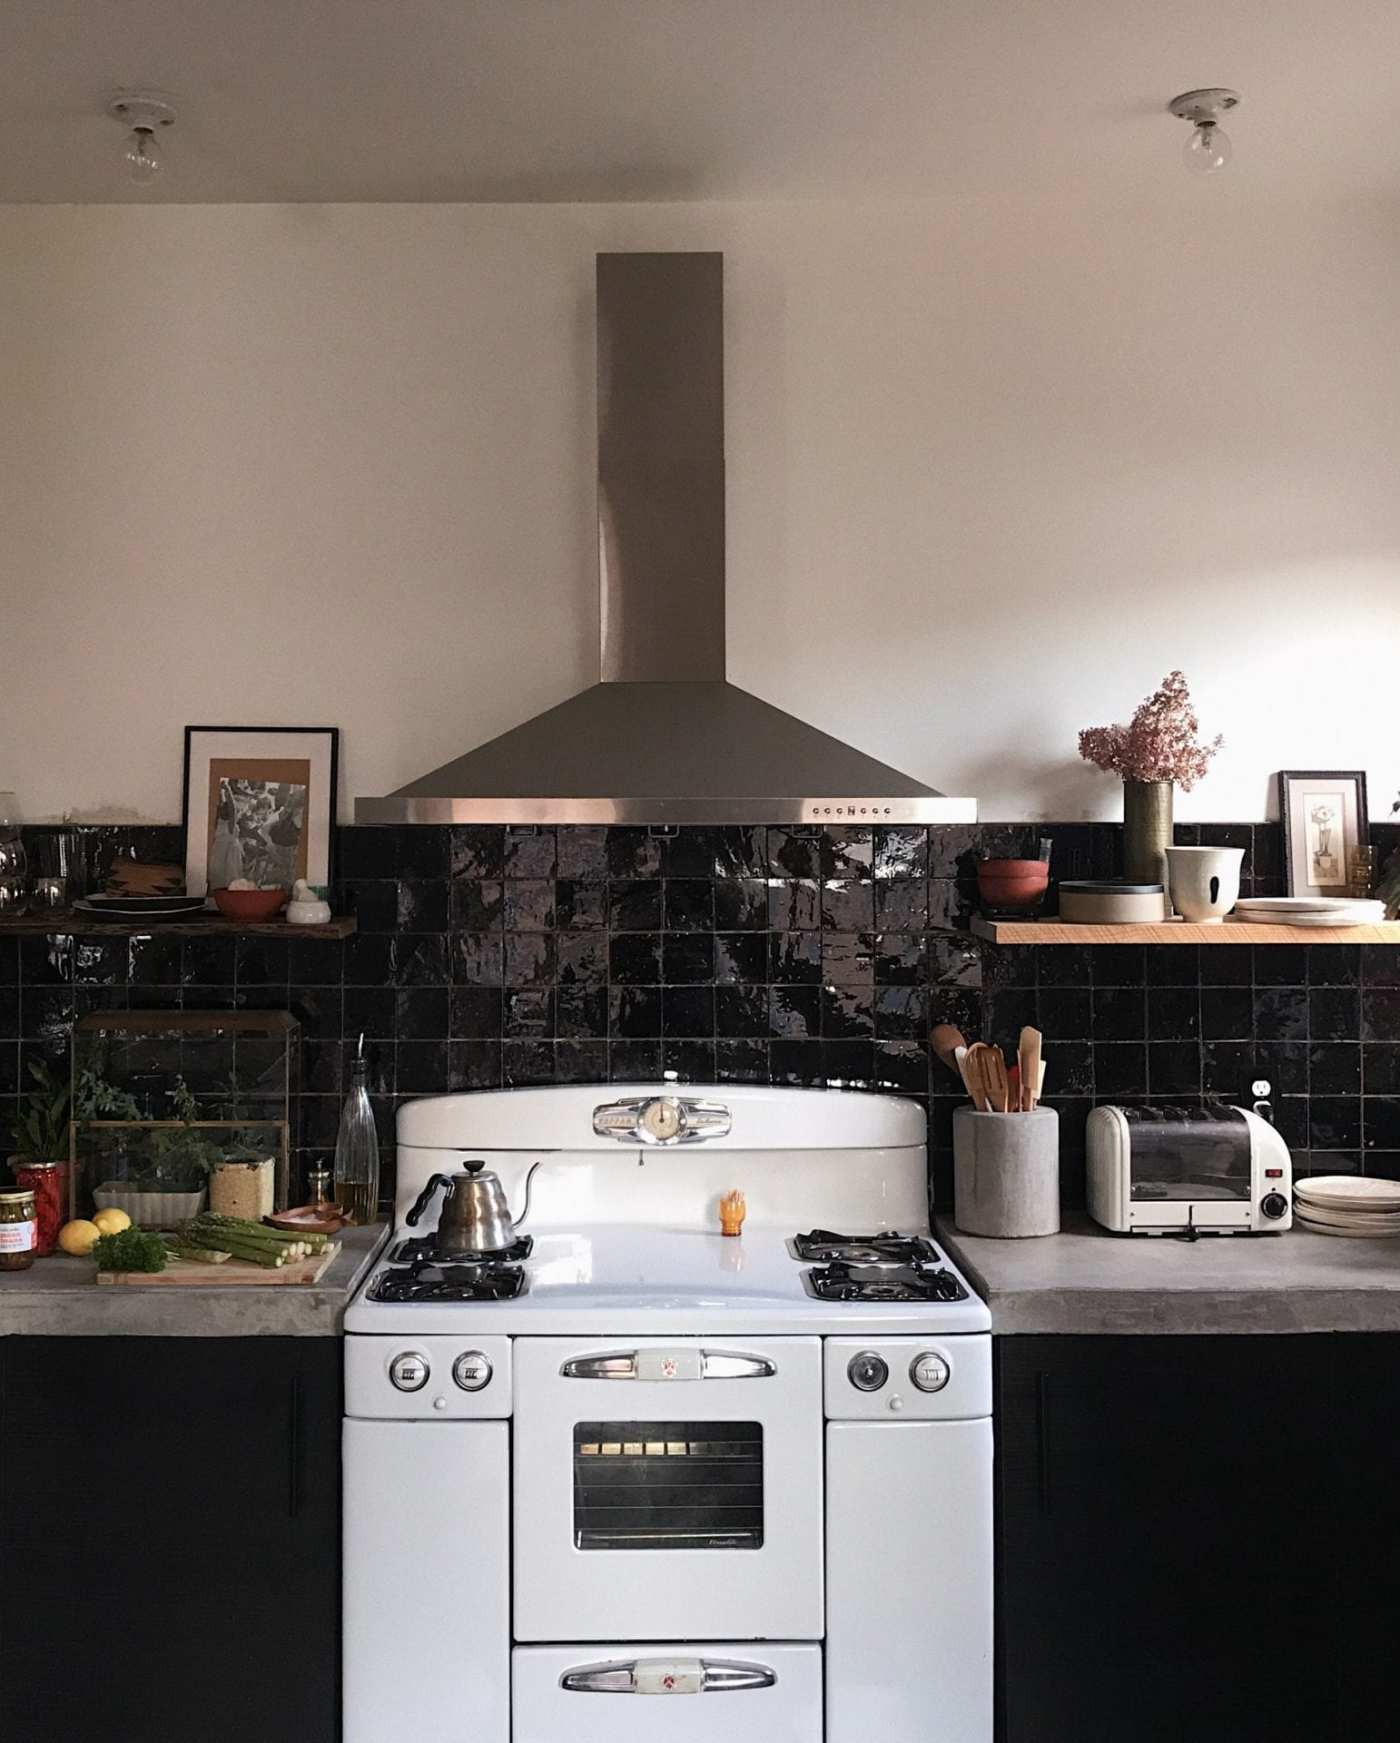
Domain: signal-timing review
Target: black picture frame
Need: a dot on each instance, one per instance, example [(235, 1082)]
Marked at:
[(331, 737), (1294, 861)]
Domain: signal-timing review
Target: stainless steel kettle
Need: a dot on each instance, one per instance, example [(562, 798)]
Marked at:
[(475, 1217)]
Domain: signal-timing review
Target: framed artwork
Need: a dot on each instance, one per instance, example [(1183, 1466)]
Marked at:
[(259, 805), (1324, 822)]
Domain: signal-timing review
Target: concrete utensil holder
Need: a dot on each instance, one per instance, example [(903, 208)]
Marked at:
[(1006, 1173)]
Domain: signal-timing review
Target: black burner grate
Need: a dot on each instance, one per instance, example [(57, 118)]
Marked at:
[(495, 1282), (883, 1283), (889, 1248), (425, 1251)]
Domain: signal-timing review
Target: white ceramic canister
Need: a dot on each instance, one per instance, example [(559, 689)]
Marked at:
[(1205, 882)]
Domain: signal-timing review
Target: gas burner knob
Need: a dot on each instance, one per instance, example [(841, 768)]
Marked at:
[(409, 1371), (930, 1372), (472, 1371), (1273, 1204), (867, 1372)]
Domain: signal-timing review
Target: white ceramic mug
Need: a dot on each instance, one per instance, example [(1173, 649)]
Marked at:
[(1205, 882)]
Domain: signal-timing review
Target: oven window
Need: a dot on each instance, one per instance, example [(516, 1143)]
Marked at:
[(668, 1485)]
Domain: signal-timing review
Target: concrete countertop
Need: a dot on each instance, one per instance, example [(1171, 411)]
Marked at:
[(1088, 1281), (57, 1297)]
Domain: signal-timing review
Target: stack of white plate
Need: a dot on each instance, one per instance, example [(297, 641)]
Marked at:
[(1307, 911), (1347, 1204)]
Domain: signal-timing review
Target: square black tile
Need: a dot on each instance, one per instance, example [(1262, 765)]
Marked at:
[(901, 1012), (529, 958), (634, 958), (478, 905), (581, 1009), (1334, 1013), (475, 1013), (1227, 965), (1334, 1122), (367, 852), (9, 1013), (794, 958), (1281, 1013), (1334, 965), (310, 962), (634, 905), (689, 905), (579, 906), (476, 850), (794, 853), (847, 906), (1120, 1013), (741, 905), (529, 1012), (582, 853), (420, 1013), (848, 958), (1380, 1064), (742, 957), (1006, 1013), (580, 1061), (423, 906), (374, 904), (1067, 965), (687, 1010), (901, 904), (1007, 964), (1227, 1013), (477, 958), (634, 1061), (693, 1060), (474, 1065), (156, 960), (530, 851), (900, 1067), (258, 960), (900, 960), (687, 958), (420, 959), (1123, 965), (847, 1063), (1064, 1013), (423, 850), (368, 1011), (1381, 1124), (1334, 1068), (901, 852), (795, 1012), (1227, 1069), (741, 1011), (1283, 1065), (959, 1005), (634, 1011), (633, 853), (581, 958), (741, 1060), (1175, 964), (951, 905), (796, 1062), (1380, 1014), (421, 1067), (1120, 1068), (527, 1062), (529, 905), (1280, 964), (1174, 1067), (1173, 1013), (1380, 964), (848, 1011)]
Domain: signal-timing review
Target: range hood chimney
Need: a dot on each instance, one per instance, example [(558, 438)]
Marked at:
[(663, 738)]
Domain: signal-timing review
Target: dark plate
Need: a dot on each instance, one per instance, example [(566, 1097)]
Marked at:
[(140, 907)]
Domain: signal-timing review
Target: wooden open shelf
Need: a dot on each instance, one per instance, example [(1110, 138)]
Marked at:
[(84, 926), (1180, 932)]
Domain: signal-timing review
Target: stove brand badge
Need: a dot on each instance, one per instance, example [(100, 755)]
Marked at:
[(670, 1368)]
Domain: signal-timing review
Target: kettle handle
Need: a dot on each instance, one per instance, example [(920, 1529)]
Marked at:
[(424, 1198)]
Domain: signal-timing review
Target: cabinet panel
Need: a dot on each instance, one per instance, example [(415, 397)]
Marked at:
[(173, 1570)]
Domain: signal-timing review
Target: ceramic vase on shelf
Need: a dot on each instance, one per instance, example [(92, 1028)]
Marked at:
[(1147, 831), (1205, 882)]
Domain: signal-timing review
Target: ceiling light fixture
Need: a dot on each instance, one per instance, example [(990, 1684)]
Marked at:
[(144, 115), (1208, 148)]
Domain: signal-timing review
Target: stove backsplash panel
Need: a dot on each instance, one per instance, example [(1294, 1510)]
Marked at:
[(501, 956)]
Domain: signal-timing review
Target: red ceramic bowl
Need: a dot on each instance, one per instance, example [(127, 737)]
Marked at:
[(1012, 883), (250, 906)]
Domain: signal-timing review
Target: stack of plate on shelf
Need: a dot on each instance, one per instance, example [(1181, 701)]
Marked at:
[(140, 907), (1308, 911), (1347, 1204)]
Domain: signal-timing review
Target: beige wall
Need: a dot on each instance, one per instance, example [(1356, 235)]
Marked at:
[(993, 471)]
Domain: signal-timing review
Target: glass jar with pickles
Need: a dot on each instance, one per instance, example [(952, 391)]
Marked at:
[(18, 1230)]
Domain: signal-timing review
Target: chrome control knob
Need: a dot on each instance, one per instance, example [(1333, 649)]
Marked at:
[(867, 1372), (409, 1371), (929, 1371), (472, 1371)]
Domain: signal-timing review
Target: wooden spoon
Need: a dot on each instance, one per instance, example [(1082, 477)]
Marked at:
[(946, 1040), (975, 1078)]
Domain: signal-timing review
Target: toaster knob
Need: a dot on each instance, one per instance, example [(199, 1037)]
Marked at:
[(1273, 1204)]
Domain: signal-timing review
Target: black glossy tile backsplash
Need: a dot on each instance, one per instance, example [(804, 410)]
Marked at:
[(491, 956)]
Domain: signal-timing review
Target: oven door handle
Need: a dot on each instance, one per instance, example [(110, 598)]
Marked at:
[(668, 1676), (679, 1364)]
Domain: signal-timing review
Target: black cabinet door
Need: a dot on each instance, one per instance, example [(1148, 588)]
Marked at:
[(1170, 1513), (169, 1552)]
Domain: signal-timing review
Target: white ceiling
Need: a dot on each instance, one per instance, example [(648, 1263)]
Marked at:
[(691, 99)]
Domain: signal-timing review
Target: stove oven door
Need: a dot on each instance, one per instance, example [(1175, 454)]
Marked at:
[(654, 1693), (668, 1489)]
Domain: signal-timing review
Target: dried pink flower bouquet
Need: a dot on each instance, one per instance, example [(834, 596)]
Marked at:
[(1159, 745)]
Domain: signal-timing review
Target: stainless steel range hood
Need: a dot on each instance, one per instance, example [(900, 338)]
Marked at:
[(663, 738)]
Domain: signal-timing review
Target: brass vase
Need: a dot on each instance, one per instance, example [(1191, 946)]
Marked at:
[(1147, 831)]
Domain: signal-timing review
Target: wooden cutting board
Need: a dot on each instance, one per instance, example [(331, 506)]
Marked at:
[(184, 1273)]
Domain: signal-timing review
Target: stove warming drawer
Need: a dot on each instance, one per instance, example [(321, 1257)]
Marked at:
[(644, 1692)]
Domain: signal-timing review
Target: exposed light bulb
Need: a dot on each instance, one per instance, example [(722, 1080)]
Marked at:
[(1208, 149), (143, 160)]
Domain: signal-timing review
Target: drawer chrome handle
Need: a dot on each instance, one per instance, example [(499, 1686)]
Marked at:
[(668, 1676), (684, 1364)]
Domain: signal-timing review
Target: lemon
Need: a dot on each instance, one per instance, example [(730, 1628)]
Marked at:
[(111, 1222), (79, 1237)]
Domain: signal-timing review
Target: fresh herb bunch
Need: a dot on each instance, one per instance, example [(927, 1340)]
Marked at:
[(42, 1131), (131, 1250)]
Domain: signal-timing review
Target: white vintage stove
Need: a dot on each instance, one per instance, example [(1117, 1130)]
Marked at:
[(630, 1457)]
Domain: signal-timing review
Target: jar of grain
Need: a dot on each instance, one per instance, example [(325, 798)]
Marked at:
[(243, 1189)]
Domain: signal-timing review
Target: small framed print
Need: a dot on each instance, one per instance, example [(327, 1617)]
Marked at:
[(1324, 822), (259, 805)]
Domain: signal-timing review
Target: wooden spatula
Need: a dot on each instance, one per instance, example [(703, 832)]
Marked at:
[(946, 1040), (1028, 1057), (994, 1076), (974, 1075)]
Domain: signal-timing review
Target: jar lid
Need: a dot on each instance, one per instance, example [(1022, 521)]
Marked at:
[(11, 1197)]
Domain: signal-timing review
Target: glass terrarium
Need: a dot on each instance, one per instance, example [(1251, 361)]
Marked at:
[(175, 1112)]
